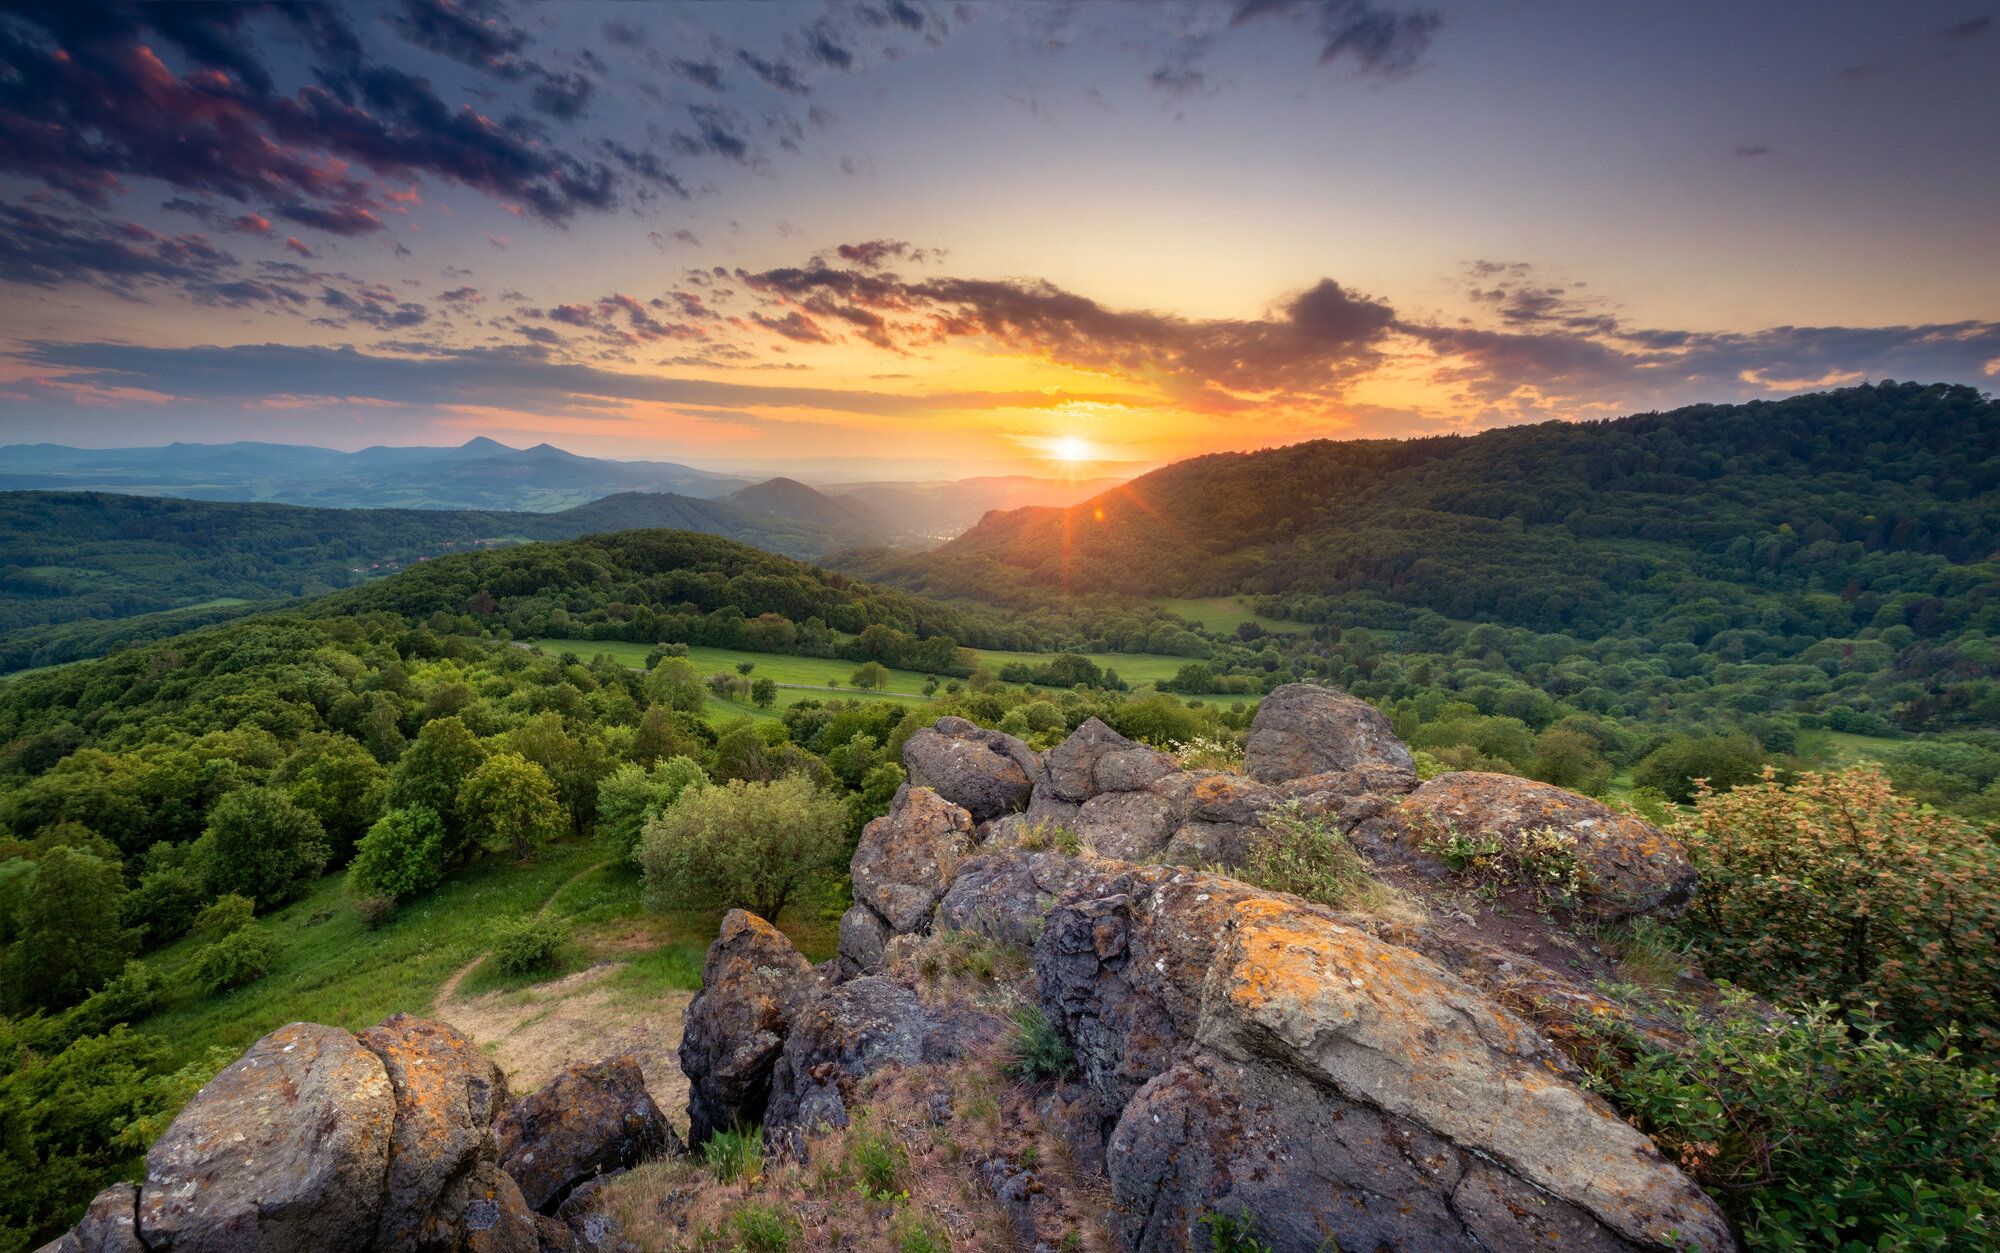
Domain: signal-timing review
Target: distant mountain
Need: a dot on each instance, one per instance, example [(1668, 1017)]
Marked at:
[(930, 513), (72, 557), (479, 474), (844, 522)]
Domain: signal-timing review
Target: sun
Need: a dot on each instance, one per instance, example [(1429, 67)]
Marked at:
[(1070, 448)]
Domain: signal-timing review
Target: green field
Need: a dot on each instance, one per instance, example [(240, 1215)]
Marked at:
[(1842, 748), (332, 969), (811, 673), (1223, 613)]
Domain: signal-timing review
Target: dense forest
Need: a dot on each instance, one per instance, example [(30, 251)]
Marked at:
[(1851, 533), (93, 557)]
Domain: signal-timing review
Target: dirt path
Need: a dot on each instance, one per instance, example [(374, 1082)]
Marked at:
[(535, 1031)]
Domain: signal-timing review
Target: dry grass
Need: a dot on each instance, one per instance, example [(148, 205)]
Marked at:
[(907, 1174)]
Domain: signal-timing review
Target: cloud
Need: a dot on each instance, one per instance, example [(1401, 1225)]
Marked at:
[(1377, 41), (92, 103), (1753, 150), (1972, 28), (624, 34), (702, 73), (51, 250), (292, 244), (373, 306), (717, 132), (876, 253), (777, 74)]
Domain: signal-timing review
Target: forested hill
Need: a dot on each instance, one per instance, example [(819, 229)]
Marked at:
[(1852, 502), (71, 557)]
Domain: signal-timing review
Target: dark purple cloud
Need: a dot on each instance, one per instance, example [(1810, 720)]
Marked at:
[(1383, 42)]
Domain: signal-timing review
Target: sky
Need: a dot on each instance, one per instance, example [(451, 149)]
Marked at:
[(909, 236)]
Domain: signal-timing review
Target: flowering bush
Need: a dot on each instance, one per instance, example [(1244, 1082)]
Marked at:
[(1837, 889)]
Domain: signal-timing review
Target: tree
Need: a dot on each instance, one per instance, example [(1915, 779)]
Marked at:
[(764, 693), (742, 754), (339, 782), (511, 802), (574, 762), (676, 684), (261, 844), (666, 732), (69, 940), (401, 857), (1725, 761), (631, 796), (872, 674), (760, 846), (430, 774), (745, 667), (1569, 759)]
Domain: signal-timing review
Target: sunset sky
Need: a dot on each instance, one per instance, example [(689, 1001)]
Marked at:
[(917, 237)]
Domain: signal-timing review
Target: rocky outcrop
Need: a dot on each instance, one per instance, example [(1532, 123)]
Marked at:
[(589, 1119), (753, 982), (1630, 866), (1265, 1055), (849, 1033), (287, 1148), (319, 1139), (1302, 730), (907, 856), (441, 1147), (1095, 759), (986, 773)]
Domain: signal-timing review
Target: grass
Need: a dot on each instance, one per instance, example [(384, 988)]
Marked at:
[(1223, 613), (1843, 748), (817, 672), (332, 969)]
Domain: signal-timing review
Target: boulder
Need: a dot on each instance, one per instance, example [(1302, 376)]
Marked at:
[(986, 773), (1302, 730), (592, 1117), (497, 1221), (907, 856), (863, 936), (1130, 826), (1097, 759), (287, 1148), (1293, 991), (752, 982), (109, 1225), (1630, 866), (850, 1032), (441, 1147), (1005, 895)]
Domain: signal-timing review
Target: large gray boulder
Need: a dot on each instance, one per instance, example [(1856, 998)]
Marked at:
[(110, 1224), (986, 773), (1096, 759), (753, 982), (286, 1149), (441, 1146), (1302, 730), (591, 1118), (907, 856)]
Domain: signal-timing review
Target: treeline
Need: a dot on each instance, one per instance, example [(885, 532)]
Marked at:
[(1750, 533)]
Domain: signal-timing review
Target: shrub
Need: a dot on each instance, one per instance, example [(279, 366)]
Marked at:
[(1306, 856), (762, 1228), (1209, 753), (737, 1153), (1813, 1133), (164, 905), (529, 944), (631, 796), (1039, 1050), (224, 916), (754, 845), (1837, 889), (1235, 1233), (375, 910), (402, 855), (240, 958), (1544, 860)]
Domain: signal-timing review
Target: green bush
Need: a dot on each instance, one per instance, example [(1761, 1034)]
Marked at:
[(401, 857), (375, 910), (737, 1153), (762, 1228), (1814, 1133), (1039, 1050), (1726, 761), (1837, 889), (529, 944), (759, 846), (240, 958), (225, 915), (512, 804)]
